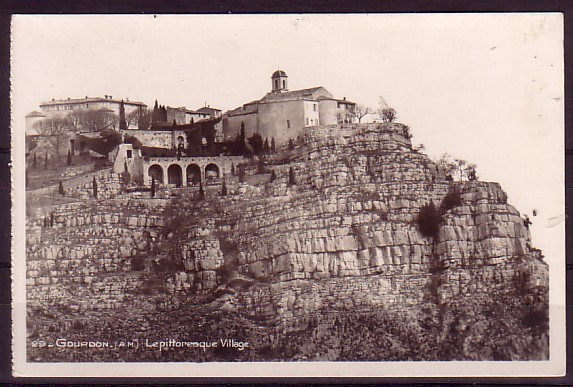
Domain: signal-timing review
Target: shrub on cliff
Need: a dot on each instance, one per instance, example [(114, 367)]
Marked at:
[(137, 264), (452, 199), (429, 220)]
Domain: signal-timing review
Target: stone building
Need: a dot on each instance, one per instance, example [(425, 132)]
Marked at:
[(32, 121), (282, 114), (62, 107), (182, 115)]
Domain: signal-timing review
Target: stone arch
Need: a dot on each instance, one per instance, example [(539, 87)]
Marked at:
[(175, 175), (156, 171), (193, 174), (212, 171)]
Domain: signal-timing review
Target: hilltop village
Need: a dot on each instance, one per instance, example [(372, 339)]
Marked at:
[(286, 225), (176, 146)]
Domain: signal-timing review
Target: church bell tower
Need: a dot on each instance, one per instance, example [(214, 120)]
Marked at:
[(280, 81)]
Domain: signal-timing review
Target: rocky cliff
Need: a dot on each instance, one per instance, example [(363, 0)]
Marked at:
[(330, 266)]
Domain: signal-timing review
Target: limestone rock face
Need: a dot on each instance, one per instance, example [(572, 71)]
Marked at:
[(344, 239)]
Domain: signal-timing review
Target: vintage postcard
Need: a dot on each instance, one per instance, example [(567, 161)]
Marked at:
[(288, 195)]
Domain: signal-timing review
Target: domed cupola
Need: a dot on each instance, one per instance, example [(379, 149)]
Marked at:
[(280, 81)]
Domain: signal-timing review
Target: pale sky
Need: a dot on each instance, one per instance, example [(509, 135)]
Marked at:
[(485, 88)]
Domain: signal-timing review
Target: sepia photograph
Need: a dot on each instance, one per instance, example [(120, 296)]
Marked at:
[(288, 195)]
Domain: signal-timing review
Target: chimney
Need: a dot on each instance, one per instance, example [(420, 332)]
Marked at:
[(344, 98)]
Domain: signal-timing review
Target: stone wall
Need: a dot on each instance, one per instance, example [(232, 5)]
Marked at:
[(89, 241)]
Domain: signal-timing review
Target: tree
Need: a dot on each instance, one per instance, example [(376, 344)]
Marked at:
[(61, 190), (471, 172), (446, 164), (242, 173), (224, 188), (291, 176), (201, 192), (76, 119), (153, 188), (256, 142), (98, 120), (290, 144), (35, 161), (273, 147), (69, 159), (388, 114), (46, 161), (233, 169), (94, 186), (266, 147), (55, 130), (122, 120), (457, 167), (460, 167), (140, 116), (273, 175), (155, 115), (360, 111)]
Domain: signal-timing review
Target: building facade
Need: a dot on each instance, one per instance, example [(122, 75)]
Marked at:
[(62, 107), (282, 114), (66, 107)]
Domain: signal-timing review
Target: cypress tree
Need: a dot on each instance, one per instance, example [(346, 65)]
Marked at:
[(122, 121), (273, 148), (201, 192), (290, 144), (61, 189), (153, 186), (242, 173), (35, 162), (51, 219), (69, 159), (273, 175), (224, 188), (155, 114), (266, 147), (94, 186), (233, 169), (46, 161), (291, 176)]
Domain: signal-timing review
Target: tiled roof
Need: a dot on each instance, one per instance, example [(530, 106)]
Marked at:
[(35, 113), (208, 110), (294, 95), (89, 99)]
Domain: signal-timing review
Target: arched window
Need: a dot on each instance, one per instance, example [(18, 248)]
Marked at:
[(156, 172), (193, 174), (175, 175)]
